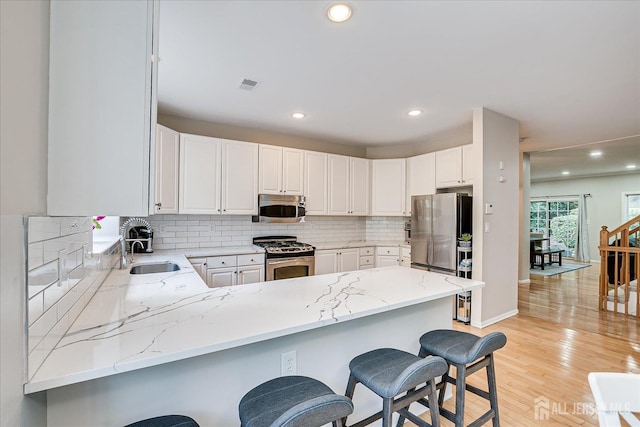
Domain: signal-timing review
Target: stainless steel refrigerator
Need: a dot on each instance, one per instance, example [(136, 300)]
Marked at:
[(436, 223)]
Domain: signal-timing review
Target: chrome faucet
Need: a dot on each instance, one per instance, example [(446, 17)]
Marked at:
[(133, 244), (124, 232)]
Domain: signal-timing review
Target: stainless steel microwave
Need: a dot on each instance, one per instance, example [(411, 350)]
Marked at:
[(280, 208)]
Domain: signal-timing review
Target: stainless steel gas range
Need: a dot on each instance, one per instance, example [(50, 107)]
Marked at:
[(285, 257)]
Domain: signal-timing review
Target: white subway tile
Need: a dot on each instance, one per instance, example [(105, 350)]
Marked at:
[(53, 293), (35, 255), (43, 275), (36, 307)]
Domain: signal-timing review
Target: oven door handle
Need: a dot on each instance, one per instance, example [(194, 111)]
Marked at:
[(290, 260)]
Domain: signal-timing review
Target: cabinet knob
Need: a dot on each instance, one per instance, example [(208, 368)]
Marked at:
[(223, 262), (159, 205), (224, 210), (218, 210)]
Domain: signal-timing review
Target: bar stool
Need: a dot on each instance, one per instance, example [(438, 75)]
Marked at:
[(389, 373), (462, 350), (166, 421), (293, 401)]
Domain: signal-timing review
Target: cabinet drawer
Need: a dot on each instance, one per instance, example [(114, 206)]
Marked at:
[(365, 267), (389, 250), (366, 260), (221, 261), (251, 259), (366, 251)]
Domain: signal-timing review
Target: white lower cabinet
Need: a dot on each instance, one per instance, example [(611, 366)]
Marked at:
[(367, 258), (388, 256), (230, 270), (405, 256), (336, 260)]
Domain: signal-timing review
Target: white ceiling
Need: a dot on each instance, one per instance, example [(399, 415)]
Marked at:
[(569, 71)]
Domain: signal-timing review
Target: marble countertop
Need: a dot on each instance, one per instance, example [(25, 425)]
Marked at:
[(360, 244), (137, 321)]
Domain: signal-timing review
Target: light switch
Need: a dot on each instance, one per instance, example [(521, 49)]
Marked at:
[(488, 208)]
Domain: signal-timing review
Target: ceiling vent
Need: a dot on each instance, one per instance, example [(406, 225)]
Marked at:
[(248, 84)]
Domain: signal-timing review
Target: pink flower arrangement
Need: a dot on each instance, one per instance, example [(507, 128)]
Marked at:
[(96, 223)]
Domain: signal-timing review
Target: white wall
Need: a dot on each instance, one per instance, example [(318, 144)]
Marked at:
[(604, 207), (218, 130), (24, 66), (495, 140)]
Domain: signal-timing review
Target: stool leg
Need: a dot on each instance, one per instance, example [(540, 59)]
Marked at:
[(433, 406), (461, 376), (493, 391), (386, 411), (444, 382), (351, 385)]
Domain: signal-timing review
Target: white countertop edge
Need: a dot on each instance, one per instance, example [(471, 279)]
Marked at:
[(360, 244), (36, 386)]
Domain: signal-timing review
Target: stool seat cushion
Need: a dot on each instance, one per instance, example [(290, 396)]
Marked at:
[(292, 401), (389, 372), (461, 347), (166, 421)]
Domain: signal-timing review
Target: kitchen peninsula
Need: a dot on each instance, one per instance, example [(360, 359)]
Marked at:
[(161, 322)]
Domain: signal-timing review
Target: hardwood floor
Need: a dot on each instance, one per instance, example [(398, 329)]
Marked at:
[(557, 338)]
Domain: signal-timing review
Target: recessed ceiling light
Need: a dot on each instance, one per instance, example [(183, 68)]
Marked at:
[(339, 12), (298, 115), (596, 153), (631, 166), (414, 113), (565, 172)]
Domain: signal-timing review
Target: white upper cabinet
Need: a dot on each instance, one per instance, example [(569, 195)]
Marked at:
[(200, 174), (348, 185), (467, 164), (292, 171), (218, 176), (281, 170), (167, 161), (339, 191), (101, 107), (359, 185), (421, 177), (449, 167), (388, 193), (239, 178), (316, 182)]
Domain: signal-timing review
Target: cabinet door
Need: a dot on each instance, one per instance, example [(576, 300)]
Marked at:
[(467, 164), (239, 178), (339, 185), (199, 174), (349, 259), (167, 161), (421, 177), (200, 266), (101, 121), (316, 182), (326, 262), (449, 168), (405, 262), (387, 261), (292, 171), (250, 274), (359, 186), (388, 193), (270, 169), (218, 277)]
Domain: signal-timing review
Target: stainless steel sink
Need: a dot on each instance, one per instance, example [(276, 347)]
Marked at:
[(156, 267)]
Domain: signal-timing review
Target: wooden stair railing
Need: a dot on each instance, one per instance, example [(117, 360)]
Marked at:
[(621, 291)]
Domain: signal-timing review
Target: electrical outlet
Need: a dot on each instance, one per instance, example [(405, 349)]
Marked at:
[(288, 363)]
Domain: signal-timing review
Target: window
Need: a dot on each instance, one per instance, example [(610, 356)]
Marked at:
[(556, 219), (630, 206)]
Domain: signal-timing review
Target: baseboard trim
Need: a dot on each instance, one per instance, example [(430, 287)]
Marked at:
[(524, 282), (496, 319)]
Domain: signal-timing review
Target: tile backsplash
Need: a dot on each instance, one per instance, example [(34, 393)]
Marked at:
[(62, 276), (207, 231)]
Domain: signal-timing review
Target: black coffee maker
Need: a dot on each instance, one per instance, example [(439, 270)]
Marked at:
[(144, 235)]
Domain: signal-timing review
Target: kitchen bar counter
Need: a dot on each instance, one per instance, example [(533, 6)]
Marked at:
[(137, 321)]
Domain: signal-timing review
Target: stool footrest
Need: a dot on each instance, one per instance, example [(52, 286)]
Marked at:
[(414, 419), (483, 419)]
